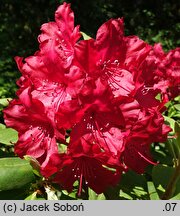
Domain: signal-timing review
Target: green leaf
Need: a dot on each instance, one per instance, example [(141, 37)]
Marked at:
[(161, 153), (85, 36), (51, 193), (8, 136), (134, 185), (177, 115), (125, 196), (177, 197), (161, 176), (68, 196), (15, 173), (173, 148), (158, 97), (177, 106), (94, 196), (64, 196), (5, 101), (177, 131), (33, 196), (34, 163), (16, 194), (112, 193), (63, 148), (177, 99), (152, 191), (170, 121), (2, 126)]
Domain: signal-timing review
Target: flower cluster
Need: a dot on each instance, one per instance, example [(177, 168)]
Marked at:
[(88, 110)]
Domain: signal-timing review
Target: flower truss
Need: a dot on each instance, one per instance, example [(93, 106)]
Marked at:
[(97, 97)]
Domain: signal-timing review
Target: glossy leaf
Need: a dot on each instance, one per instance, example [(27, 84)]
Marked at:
[(34, 163), (8, 136), (161, 176), (136, 187), (15, 173), (15, 194)]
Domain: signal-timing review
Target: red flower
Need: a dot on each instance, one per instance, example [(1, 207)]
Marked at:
[(101, 93), (88, 171), (37, 135), (53, 77), (172, 69), (97, 116), (58, 38), (148, 128), (163, 72), (112, 57), (85, 163)]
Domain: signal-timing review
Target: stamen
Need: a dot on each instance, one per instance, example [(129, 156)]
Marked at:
[(146, 159), (80, 185), (112, 74), (146, 89)]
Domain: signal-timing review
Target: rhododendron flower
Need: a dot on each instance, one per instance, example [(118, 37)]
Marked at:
[(84, 162), (114, 58), (163, 71), (98, 97), (148, 128), (54, 81), (58, 38), (37, 137)]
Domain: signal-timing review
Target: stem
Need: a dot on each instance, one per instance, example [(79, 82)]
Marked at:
[(172, 184)]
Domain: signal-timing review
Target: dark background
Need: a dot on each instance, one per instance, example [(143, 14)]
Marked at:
[(20, 21)]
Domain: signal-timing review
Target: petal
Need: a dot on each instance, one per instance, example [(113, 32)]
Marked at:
[(64, 18), (94, 174), (58, 38)]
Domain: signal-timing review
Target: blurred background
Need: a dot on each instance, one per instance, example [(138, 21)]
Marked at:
[(20, 21)]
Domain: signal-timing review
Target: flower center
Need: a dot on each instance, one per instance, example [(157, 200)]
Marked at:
[(114, 75), (145, 90), (82, 171), (54, 93), (96, 129)]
